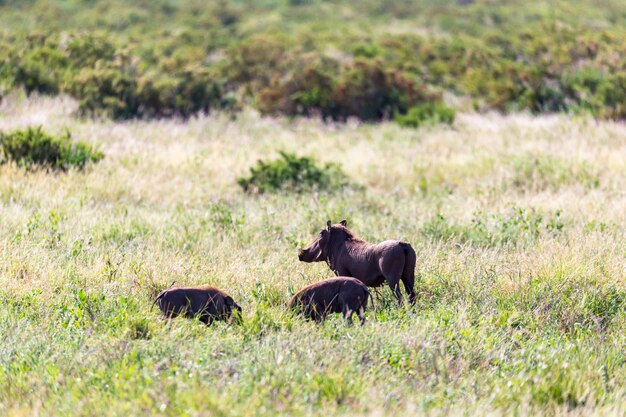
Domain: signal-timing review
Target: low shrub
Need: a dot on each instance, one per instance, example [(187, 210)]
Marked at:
[(106, 90), (426, 113), (306, 91), (539, 67), (367, 89), (612, 95), (121, 91), (32, 147), (292, 173), (370, 90), (39, 69), (85, 50)]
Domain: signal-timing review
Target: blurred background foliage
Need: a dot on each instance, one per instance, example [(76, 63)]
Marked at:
[(373, 59)]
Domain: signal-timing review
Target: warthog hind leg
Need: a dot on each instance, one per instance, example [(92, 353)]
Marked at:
[(346, 310), (347, 314), (362, 315), (409, 283), (394, 284), (392, 273)]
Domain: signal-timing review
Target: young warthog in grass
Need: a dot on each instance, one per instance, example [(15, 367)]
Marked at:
[(345, 295), (207, 302), (373, 264)]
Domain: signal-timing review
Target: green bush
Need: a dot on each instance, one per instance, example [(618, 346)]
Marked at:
[(33, 147), (366, 89), (170, 65), (307, 91), (292, 173), (106, 90), (37, 69), (108, 80), (121, 91), (197, 90), (87, 50), (370, 90), (426, 113), (612, 95)]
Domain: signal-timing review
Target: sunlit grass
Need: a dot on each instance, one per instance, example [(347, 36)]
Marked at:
[(520, 310)]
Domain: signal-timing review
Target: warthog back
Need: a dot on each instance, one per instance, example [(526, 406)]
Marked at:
[(344, 295), (207, 302)]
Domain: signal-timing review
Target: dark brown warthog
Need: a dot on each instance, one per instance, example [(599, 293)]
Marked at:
[(345, 295), (207, 302), (373, 264)]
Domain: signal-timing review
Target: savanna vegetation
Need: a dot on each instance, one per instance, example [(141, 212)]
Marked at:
[(199, 173), (377, 60)]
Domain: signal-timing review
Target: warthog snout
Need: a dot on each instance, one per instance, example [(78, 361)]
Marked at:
[(309, 254), (236, 316)]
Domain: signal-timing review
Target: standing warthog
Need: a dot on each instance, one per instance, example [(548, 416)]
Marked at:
[(345, 295), (373, 264), (207, 302)]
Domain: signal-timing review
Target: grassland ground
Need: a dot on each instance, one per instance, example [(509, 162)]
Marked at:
[(517, 221)]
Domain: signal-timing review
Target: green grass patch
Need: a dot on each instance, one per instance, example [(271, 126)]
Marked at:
[(546, 172), (516, 226)]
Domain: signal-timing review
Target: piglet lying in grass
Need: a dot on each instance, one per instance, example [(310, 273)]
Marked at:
[(206, 302), (334, 295)]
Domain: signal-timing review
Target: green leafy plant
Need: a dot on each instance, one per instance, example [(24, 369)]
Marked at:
[(292, 173), (426, 113), (32, 147)]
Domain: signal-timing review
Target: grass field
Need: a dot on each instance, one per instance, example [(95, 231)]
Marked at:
[(517, 221)]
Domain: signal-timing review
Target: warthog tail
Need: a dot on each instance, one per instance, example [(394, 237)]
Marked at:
[(410, 259), (408, 272), (161, 294), (371, 297), (158, 297)]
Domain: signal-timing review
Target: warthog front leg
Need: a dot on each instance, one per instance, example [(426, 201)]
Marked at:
[(206, 319)]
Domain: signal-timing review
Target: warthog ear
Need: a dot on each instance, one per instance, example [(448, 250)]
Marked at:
[(328, 224), (344, 223)]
